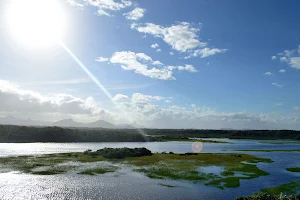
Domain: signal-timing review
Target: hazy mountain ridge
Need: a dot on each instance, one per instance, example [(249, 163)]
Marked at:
[(10, 120)]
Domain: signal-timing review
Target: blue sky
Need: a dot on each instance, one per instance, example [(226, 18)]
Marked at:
[(201, 64)]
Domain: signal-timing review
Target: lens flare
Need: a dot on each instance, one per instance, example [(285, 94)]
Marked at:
[(197, 147)]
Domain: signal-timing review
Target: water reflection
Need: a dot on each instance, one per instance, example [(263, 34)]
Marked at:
[(126, 184)]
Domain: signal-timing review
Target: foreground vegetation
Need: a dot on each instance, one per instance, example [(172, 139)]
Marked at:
[(11, 133), (289, 191), (267, 196), (188, 166), (270, 150)]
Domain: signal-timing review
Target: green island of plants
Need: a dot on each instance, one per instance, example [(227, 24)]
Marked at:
[(293, 169), (289, 191), (270, 150), (188, 166)]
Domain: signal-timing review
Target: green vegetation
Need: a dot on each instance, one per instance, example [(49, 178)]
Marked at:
[(183, 139), (122, 152), (186, 167), (49, 172), (293, 169), (98, 171), (166, 185), (159, 166), (289, 191), (285, 142), (289, 188), (13, 134), (267, 196), (270, 150)]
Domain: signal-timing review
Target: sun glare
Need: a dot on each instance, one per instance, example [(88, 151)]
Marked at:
[(35, 23)]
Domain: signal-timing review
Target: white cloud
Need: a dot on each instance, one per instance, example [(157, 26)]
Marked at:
[(139, 62), (120, 97), (15, 99), (295, 62), (182, 37), (157, 63), (101, 59), (154, 46), (145, 65), (269, 74), (205, 52), (291, 57), (277, 85), (273, 58), (282, 70), (144, 110), (141, 108), (74, 3), (141, 98), (135, 14), (171, 53), (279, 104), (158, 50), (189, 68), (103, 6)]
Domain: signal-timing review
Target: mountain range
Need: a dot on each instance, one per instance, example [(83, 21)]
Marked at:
[(10, 120)]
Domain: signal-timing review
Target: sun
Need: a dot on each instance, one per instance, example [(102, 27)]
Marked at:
[(35, 23)]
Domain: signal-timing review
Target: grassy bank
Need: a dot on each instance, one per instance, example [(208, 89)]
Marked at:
[(189, 166)]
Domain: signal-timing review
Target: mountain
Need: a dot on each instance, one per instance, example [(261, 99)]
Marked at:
[(72, 123), (101, 123), (10, 120), (68, 123)]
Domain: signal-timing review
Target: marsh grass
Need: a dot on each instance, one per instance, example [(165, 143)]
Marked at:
[(184, 167), (156, 166), (98, 171)]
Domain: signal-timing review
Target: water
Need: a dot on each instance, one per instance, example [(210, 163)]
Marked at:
[(125, 184)]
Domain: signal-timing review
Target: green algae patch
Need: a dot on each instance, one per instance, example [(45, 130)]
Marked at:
[(48, 172), (166, 185), (27, 164), (293, 169), (98, 171), (188, 166)]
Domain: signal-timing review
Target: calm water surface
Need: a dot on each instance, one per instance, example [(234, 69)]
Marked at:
[(125, 184)]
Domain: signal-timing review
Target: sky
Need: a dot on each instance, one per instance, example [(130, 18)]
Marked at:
[(204, 64)]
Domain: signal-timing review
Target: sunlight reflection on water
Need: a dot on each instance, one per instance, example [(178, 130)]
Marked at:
[(131, 185)]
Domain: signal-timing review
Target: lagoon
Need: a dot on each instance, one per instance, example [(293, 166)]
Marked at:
[(127, 184)]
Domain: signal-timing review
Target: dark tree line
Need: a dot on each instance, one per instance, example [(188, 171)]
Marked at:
[(11, 133)]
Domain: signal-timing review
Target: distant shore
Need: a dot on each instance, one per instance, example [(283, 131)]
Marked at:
[(31, 134)]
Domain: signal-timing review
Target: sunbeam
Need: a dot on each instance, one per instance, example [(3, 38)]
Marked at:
[(100, 85)]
